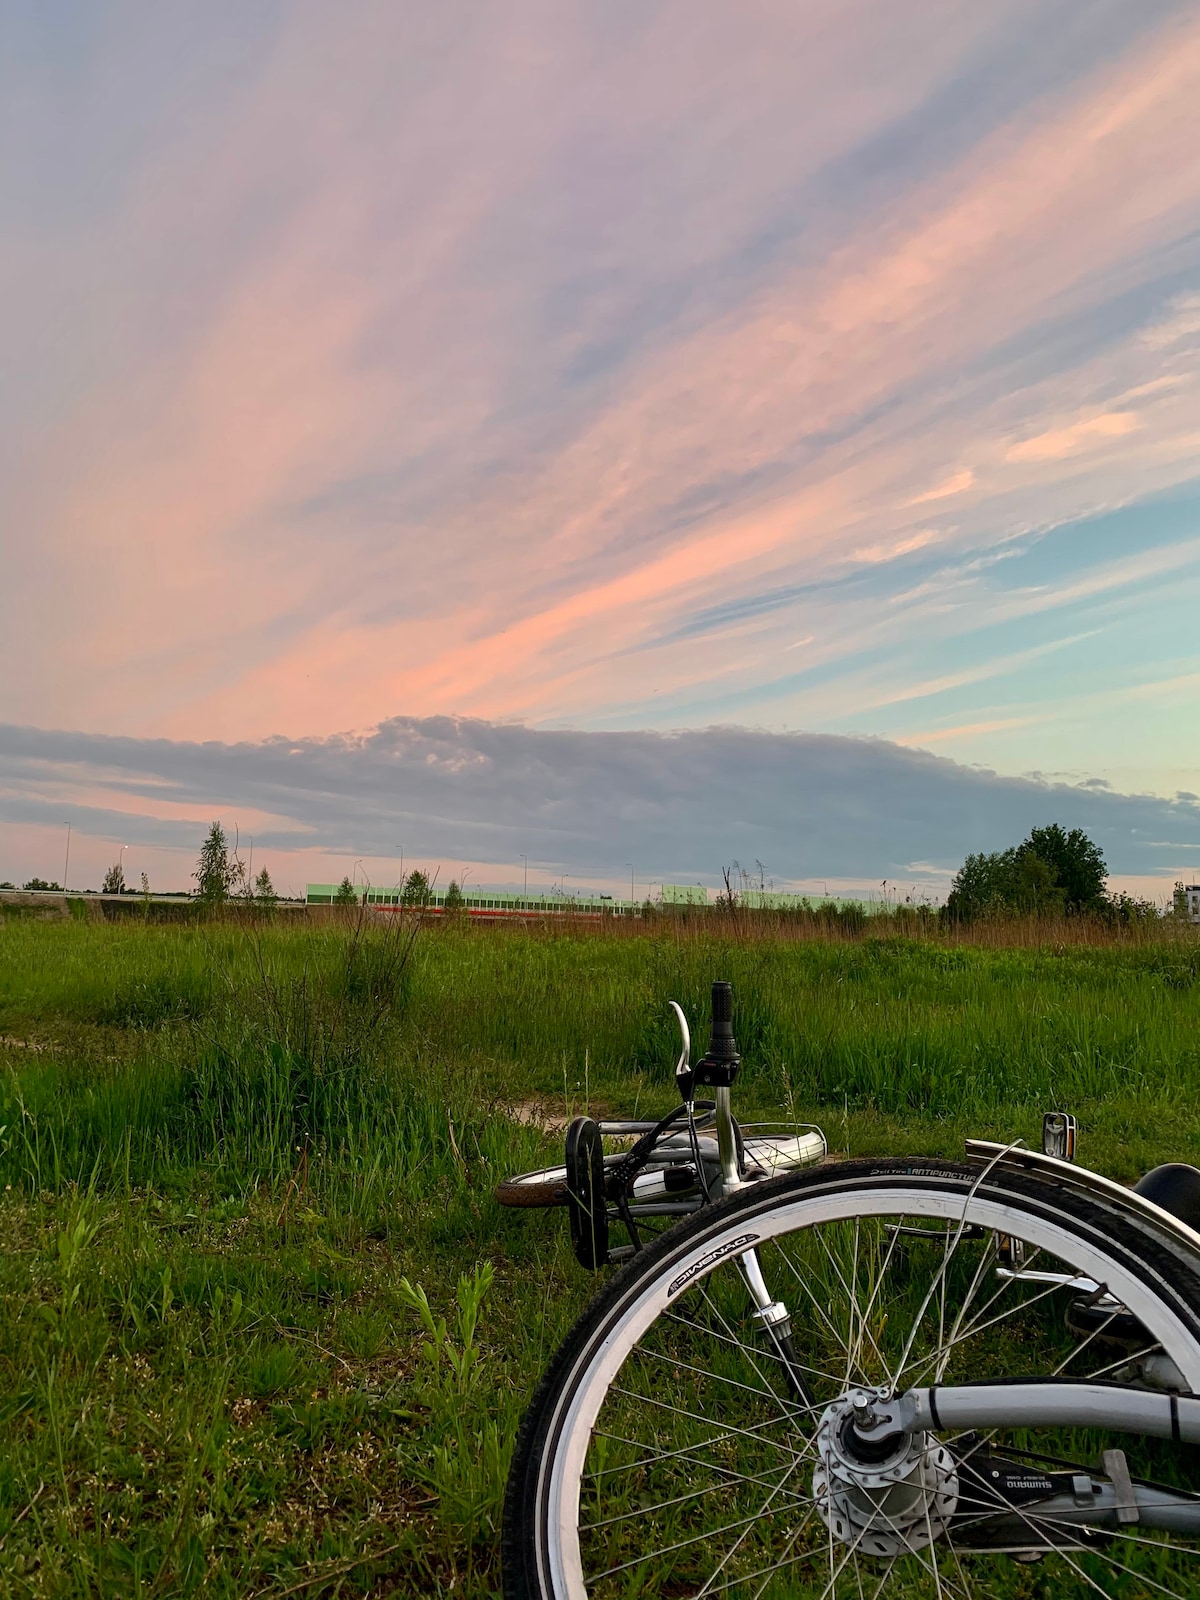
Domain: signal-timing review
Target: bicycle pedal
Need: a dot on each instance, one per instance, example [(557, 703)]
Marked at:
[(587, 1208), (1058, 1135)]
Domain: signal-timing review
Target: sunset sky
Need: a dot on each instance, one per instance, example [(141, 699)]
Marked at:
[(599, 371)]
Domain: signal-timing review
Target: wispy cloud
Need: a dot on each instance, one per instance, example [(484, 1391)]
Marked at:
[(956, 483), (1056, 443), (574, 363)]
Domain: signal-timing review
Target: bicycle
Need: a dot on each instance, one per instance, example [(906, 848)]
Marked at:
[(868, 1378)]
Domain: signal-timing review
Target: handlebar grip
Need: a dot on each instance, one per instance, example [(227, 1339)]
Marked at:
[(722, 1012), (720, 1065)]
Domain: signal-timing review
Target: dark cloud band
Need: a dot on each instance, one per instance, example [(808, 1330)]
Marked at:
[(806, 805)]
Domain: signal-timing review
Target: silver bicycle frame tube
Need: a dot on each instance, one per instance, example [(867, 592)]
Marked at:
[(973, 1406), (731, 1178)]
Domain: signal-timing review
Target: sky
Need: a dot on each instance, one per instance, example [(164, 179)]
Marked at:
[(599, 384)]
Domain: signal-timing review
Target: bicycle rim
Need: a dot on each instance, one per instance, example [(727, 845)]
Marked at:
[(668, 1453)]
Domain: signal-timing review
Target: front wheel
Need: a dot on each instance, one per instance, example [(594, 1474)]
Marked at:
[(666, 1452)]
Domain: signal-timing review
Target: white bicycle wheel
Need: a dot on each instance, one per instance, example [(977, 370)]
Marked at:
[(669, 1451)]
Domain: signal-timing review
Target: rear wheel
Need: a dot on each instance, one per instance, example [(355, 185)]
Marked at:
[(666, 1453)]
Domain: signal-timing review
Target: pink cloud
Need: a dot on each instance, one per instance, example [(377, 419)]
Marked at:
[(957, 483), (1056, 443)]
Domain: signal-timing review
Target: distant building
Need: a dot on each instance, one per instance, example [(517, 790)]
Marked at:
[(492, 903), (1193, 902), (484, 902)]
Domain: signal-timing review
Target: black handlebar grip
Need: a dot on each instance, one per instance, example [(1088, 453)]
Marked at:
[(722, 1012), (720, 1064)]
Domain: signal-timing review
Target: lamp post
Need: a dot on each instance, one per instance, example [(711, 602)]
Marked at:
[(354, 874), (629, 864), (525, 890), (121, 865), (67, 858)]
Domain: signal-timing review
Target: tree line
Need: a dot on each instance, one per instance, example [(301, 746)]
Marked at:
[(1054, 872)]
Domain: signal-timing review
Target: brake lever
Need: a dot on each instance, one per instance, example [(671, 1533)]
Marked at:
[(685, 1078)]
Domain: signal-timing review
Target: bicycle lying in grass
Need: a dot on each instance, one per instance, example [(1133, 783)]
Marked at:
[(868, 1378)]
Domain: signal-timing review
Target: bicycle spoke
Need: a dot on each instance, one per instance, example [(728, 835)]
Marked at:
[(737, 1544), (731, 1478), (795, 1408), (682, 1544), (671, 1455), (747, 1350), (770, 1355)]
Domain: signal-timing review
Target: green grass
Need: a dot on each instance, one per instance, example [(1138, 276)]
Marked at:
[(231, 1160)]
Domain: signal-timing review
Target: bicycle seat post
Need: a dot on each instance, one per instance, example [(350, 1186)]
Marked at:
[(717, 1071)]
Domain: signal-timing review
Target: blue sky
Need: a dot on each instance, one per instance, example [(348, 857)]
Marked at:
[(830, 369)]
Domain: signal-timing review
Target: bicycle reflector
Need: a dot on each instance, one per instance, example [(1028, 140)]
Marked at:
[(719, 1067)]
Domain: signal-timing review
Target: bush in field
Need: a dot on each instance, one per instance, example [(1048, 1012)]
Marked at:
[(1052, 872), (264, 891)]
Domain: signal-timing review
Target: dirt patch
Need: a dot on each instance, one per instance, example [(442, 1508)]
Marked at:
[(538, 1114)]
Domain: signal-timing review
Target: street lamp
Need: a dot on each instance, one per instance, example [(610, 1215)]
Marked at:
[(68, 858), (525, 890), (629, 864), (121, 863), (354, 874)]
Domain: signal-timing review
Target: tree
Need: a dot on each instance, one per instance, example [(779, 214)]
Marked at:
[(1034, 886), (453, 903), (40, 883), (217, 873), (1050, 872), (114, 880), (1077, 862), (981, 885), (416, 891), (264, 890), (346, 894)]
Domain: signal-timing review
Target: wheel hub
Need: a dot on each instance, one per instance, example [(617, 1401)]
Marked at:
[(880, 1492)]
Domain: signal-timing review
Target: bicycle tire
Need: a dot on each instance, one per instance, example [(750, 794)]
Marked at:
[(546, 1186), (542, 1542)]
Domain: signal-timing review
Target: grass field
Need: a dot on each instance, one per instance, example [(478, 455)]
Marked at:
[(266, 1332)]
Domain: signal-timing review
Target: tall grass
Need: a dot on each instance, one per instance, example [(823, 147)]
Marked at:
[(232, 1046), (248, 1344)]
